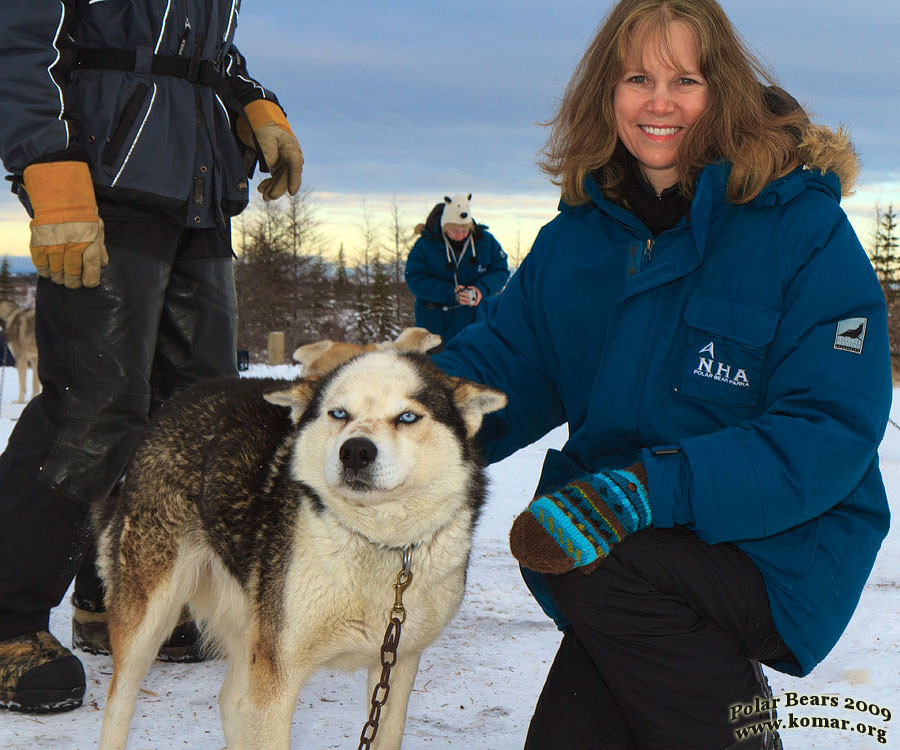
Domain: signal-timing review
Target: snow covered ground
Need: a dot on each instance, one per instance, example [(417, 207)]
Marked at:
[(478, 683)]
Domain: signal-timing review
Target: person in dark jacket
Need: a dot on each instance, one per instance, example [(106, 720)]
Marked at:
[(704, 318), (130, 130), (453, 267)]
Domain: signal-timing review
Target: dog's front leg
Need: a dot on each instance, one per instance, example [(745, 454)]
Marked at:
[(35, 380), (268, 706), (22, 370), (231, 696), (393, 715)]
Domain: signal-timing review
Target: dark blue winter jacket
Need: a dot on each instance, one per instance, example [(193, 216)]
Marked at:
[(741, 355), (432, 277), (158, 139)]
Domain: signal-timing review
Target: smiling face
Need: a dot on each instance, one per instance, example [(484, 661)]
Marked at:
[(660, 95)]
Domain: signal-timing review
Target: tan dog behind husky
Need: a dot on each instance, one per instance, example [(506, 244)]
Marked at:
[(322, 356), (18, 326), (281, 517)]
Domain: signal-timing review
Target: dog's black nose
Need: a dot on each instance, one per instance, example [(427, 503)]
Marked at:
[(357, 453)]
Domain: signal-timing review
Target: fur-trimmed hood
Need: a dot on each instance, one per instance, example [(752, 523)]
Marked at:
[(825, 150), (819, 148)]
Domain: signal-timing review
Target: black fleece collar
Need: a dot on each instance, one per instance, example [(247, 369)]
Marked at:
[(658, 212)]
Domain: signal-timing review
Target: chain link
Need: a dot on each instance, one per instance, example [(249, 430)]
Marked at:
[(382, 689), (388, 656)]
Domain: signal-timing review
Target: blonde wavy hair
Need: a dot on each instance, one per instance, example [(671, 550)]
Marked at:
[(748, 121)]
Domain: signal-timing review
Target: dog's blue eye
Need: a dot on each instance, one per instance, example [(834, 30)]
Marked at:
[(408, 417), (338, 414)]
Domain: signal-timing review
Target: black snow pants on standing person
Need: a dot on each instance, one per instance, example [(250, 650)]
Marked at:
[(163, 318)]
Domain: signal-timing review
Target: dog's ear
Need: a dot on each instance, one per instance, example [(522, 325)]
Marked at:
[(416, 339), (403, 337), (474, 401), (296, 398), (308, 352)]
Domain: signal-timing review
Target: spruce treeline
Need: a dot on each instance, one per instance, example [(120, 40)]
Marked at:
[(885, 249), (285, 282), (884, 253)]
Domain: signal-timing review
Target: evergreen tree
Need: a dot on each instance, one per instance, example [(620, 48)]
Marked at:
[(7, 288), (889, 243), (318, 307), (264, 278), (885, 254), (362, 314), (401, 245), (381, 308), (370, 244), (301, 236), (341, 280)]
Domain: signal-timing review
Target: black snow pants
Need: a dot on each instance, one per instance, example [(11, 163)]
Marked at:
[(163, 318), (658, 648)]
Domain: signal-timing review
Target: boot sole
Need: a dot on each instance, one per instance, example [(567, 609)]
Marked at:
[(44, 701)]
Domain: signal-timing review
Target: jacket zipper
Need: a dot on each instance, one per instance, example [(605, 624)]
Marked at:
[(182, 43), (137, 137), (648, 252)]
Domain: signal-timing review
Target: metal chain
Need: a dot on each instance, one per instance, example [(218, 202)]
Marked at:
[(388, 655)]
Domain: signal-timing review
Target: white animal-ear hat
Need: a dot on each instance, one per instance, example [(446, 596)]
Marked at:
[(456, 209)]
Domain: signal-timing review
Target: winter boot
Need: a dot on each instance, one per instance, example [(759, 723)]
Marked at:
[(90, 633), (38, 675)]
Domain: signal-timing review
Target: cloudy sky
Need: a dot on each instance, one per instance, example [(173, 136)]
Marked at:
[(404, 100)]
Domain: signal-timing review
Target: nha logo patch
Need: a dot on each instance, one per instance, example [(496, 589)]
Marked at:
[(722, 372)]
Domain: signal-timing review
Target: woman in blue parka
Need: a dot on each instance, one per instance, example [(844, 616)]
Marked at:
[(453, 267), (702, 316)]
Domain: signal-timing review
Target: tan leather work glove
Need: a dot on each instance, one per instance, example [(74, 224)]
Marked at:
[(279, 147), (67, 242)]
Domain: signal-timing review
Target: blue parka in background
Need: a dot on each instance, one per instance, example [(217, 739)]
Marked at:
[(432, 277), (741, 355)]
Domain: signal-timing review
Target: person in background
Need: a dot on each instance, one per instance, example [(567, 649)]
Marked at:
[(703, 317), (453, 267), (130, 131)]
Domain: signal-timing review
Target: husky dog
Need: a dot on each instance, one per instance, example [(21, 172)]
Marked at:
[(280, 513), (325, 355), (18, 325)]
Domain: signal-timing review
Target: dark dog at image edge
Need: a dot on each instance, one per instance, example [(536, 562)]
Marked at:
[(279, 512)]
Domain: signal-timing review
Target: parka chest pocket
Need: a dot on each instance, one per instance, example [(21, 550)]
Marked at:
[(724, 349)]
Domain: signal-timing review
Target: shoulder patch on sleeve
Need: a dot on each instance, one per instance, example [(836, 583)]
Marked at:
[(850, 335)]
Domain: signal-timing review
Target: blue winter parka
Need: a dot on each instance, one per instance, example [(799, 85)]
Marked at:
[(741, 355), (432, 279)]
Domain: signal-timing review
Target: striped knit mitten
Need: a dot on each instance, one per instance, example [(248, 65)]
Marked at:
[(578, 525)]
